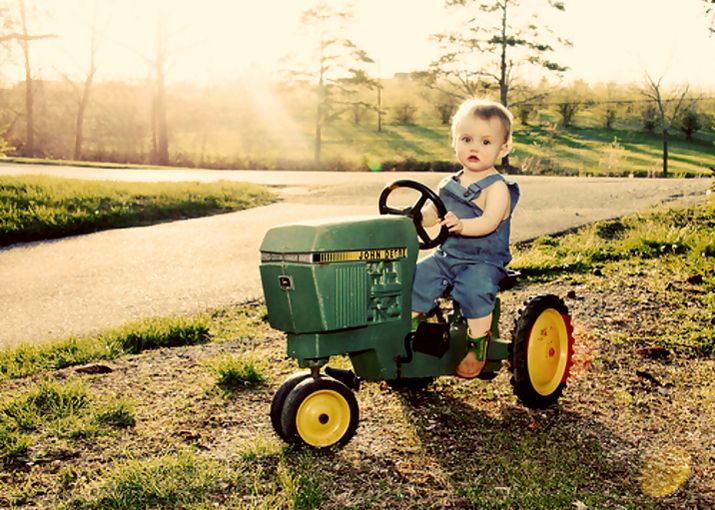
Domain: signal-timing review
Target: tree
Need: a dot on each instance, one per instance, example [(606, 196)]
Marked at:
[(84, 92), (23, 38), (710, 14), (405, 113), (690, 123), (489, 48), (573, 99), (667, 107), (336, 68), (649, 118), (608, 101), (160, 127), (159, 65)]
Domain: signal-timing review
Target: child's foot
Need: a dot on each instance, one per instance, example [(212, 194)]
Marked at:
[(469, 367), (473, 363)]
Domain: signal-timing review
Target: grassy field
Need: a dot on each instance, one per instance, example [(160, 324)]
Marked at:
[(39, 207), (147, 425), (542, 148)]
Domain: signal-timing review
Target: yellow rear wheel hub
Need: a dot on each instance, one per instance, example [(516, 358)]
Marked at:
[(547, 353), (323, 418)]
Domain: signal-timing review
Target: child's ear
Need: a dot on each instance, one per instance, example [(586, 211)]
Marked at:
[(505, 149)]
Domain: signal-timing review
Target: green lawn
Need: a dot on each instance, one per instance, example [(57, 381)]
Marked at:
[(539, 149), (36, 207)]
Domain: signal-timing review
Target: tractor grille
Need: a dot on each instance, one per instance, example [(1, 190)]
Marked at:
[(350, 296)]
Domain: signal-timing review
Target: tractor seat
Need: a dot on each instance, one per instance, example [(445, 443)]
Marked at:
[(508, 282)]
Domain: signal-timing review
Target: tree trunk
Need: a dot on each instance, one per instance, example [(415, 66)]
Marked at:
[(319, 111), (29, 149), (318, 134), (81, 109), (86, 91), (78, 137), (161, 134), (503, 85), (665, 153), (379, 108), (162, 128)]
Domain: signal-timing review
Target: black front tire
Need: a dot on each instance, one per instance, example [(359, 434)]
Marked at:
[(279, 400), (320, 413)]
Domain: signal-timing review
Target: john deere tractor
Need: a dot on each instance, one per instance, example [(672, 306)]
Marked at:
[(342, 286)]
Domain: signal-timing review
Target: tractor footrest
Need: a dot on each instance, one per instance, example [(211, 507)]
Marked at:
[(347, 377), (431, 338)]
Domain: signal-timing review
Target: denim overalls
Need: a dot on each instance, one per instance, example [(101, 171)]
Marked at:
[(474, 266)]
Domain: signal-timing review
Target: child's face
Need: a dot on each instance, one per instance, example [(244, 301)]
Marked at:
[(480, 142)]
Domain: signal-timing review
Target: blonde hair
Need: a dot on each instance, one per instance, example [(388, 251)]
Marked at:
[(484, 109)]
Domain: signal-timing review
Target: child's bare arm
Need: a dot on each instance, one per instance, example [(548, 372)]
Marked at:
[(495, 211)]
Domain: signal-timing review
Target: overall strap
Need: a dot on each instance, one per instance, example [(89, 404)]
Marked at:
[(476, 187)]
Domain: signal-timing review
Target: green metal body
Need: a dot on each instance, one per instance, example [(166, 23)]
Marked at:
[(343, 287)]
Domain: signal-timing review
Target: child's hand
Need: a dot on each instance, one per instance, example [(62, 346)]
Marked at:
[(453, 223)]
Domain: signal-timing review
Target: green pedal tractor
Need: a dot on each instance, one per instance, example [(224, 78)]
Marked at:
[(342, 286)]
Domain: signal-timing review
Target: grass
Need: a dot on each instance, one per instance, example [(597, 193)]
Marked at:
[(540, 149), (119, 414), (237, 372), (167, 481), (187, 479), (39, 207), (133, 338), (56, 412)]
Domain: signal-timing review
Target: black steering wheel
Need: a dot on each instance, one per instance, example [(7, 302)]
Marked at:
[(415, 210)]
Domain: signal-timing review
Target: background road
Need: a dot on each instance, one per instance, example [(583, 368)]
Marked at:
[(87, 283)]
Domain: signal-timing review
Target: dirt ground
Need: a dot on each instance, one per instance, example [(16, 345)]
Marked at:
[(629, 420)]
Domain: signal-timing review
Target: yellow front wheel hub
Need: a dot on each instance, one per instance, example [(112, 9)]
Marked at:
[(547, 352), (323, 418)]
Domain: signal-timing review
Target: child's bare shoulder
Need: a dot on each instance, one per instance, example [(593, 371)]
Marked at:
[(498, 187)]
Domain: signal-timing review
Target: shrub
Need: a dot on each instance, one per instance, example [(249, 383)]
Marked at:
[(690, 123)]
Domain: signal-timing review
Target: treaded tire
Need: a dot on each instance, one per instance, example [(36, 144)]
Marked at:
[(320, 413), (279, 400), (540, 371)]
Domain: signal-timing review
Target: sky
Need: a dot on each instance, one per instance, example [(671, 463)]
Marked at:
[(214, 40)]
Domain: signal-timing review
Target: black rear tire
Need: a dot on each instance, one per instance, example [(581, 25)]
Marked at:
[(541, 351)]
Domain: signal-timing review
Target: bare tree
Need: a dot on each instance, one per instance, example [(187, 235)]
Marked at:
[(339, 68), (84, 92), (23, 38), (668, 108), (488, 50), (710, 14), (160, 126)]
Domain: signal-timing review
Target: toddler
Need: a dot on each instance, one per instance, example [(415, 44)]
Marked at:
[(479, 204)]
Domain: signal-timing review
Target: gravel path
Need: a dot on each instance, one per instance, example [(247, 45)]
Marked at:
[(87, 283)]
